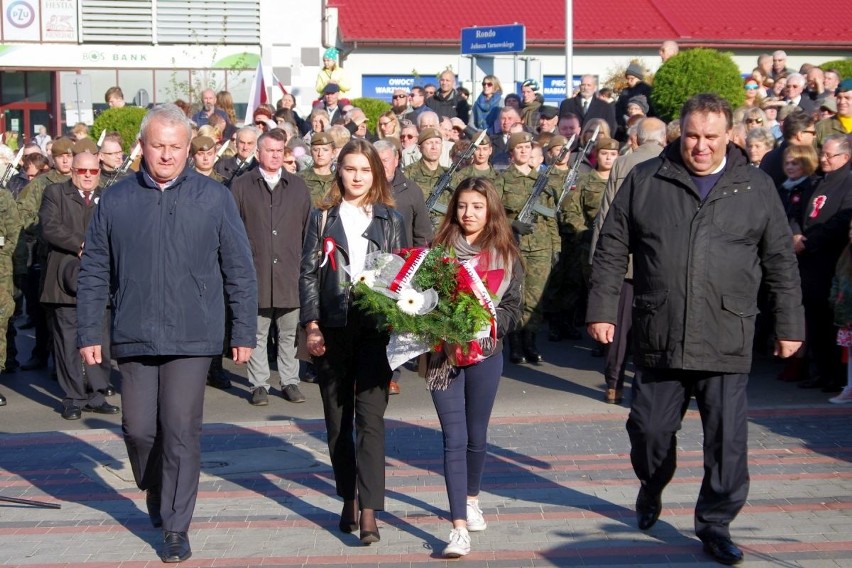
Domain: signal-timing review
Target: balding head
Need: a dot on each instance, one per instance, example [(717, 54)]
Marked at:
[(651, 131), (668, 50)]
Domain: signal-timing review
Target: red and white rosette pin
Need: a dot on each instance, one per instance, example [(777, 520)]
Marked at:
[(328, 248), (819, 202)]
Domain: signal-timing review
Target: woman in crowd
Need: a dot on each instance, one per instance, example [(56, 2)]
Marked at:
[(331, 72), (486, 108), (388, 126), (759, 141), (354, 218), (799, 162), (479, 234), (225, 101), (752, 93), (319, 122)]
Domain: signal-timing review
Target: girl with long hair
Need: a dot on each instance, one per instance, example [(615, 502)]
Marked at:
[(354, 218), (388, 126), (225, 101), (477, 231)]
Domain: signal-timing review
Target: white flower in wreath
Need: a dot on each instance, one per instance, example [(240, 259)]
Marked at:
[(366, 277), (410, 301)]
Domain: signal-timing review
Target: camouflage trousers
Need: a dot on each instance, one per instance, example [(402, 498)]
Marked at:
[(538, 267)]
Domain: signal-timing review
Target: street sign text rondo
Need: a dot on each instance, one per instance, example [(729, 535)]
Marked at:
[(493, 39)]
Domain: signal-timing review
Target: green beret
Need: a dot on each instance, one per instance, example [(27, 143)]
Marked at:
[(62, 146), (519, 138), (201, 143), (557, 140), (321, 138), (84, 145), (428, 134), (605, 143)]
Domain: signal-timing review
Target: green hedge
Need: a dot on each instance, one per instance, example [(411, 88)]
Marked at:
[(844, 66), (373, 108), (695, 71), (125, 120)]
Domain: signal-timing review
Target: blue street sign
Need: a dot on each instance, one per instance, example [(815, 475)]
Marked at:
[(493, 39), (382, 86)]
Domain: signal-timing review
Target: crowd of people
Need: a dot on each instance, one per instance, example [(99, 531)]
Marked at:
[(690, 243)]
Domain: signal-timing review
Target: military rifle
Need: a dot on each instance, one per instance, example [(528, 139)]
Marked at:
[(532, 206), (237, 172), (125, 165), (432, 204), (11, 169), (571, 178)]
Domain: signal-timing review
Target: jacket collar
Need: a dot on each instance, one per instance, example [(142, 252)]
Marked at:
[(674, 168), (144, 179)]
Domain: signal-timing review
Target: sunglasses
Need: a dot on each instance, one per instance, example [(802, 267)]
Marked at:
[(487, 84), (751, 87), (408, 136), (90, 171), (754, 121), (400, 96)]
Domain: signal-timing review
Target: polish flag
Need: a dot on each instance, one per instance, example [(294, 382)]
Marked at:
[(257, 94)]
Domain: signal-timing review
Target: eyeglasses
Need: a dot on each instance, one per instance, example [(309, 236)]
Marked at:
[(400, 96), (260, 123), (111, 153), (408, 136), (90, 171), (830, 156), (812, 132), (754, 121), (751, 87), (487, 84)]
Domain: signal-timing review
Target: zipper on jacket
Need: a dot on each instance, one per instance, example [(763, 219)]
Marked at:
[(160, 278)]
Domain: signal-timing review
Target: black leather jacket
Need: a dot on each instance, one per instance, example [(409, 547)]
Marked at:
[(324, 292)]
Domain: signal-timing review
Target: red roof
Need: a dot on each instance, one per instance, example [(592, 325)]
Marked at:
[(629, 23)]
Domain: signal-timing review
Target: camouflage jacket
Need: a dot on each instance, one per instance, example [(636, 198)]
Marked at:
[(29, 200), (10, 230), (581, 211), (426, 178), (515, 188), (317, 184), (471, 172)]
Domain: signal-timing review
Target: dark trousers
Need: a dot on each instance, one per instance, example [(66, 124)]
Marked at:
[(162, 401), (821, 334), (616, 355), (37, 313), (660, 399), (464, 410), (353, 378), (69, 365)]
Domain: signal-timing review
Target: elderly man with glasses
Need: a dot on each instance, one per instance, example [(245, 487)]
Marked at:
[(795, 93)]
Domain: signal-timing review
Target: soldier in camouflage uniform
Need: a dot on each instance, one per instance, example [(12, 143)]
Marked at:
[(29, 203), (202, 150), (539, 243), (426, 171), (10, 229), (480, 166), (320, 177)]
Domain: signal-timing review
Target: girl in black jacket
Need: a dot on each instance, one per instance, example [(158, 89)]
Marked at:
[(477, 230), (354, 219)]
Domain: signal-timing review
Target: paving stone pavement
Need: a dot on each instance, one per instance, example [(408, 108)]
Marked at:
[(558, 487)]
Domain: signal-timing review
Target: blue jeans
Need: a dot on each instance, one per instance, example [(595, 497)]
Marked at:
[(464, 410)]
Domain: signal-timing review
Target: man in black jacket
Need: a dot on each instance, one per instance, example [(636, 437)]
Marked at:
[(705, 229), (65, 213), (586, 105), (447, 101)]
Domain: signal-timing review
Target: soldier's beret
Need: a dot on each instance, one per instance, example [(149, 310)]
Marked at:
[(321, 138), (605, 143), (62, 146), (427, 134), (201, 144), (84, 145), (518, 138)]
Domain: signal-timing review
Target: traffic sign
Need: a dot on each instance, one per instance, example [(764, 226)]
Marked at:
[(493, 39)]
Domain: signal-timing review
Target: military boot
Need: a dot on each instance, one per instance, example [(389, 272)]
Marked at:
[(530, 350), (516, 352)]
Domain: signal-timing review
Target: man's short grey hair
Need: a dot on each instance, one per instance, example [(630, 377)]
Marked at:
[(385, 146), (843, 144), (796, 78), (250, 129), (651, 130), (427, 113), (167, 113), (780, 53), (593, 78)]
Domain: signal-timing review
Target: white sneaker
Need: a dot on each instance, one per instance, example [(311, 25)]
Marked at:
[(475, 521), (844, 397), (459, 544)]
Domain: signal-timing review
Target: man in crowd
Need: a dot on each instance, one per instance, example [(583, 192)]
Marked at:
[(233, 166), (795, 93), (509, 116), (330, 96), (274, 205), (586, 105), (110, 156), (779, 65), (427, 170), (634, 74), (10, 231), (668, 50), (167, 279), (840, 123), (798, 128), (319, 177), (114, 97), (548, 119), (447, 101), (399, 104), (208, 109), (65, 213), (816, 85), (701, 246)]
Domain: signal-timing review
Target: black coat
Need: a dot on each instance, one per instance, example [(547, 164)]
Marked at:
[(641, 88), (773, 164), (275, 223), (410, 203), (228, 168), (597, 109), (453, 106), (697, 266), (325, 290), (826, 233), (64, 218)]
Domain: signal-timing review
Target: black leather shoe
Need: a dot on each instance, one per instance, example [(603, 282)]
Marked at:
[(369, 537), (34, 363), (648, 508), (2, 400), (108, 391), (530, 348), (811, 384), (516, 352), (71, 412), (176, 547), (218, 381), (152, 502), (104, 408), (723, 550)]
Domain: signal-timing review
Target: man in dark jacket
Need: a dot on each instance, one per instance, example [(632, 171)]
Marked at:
[(274, 206), (447, 101), (635, 86), (65, 213), (798, 128), (165, 244), (233, 166), (587, 105), (820, 225), (704, 229)]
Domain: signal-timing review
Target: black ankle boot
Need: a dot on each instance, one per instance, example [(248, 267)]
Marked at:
[(516, 352), (530, 350)]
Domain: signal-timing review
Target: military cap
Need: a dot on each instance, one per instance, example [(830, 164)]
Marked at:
[(486, 140), (606, 143), (331, 88), (518, 138), (201, 143), (829, 104), (84, 145), (548, 112), (321, 138), (62, 146), (557, 140), (428, 134), (845, 85)]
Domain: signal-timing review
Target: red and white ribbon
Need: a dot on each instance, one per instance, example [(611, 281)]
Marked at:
[(328, 248), (409, 269), (482, 294), (818, 204)]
